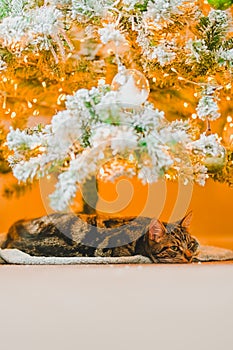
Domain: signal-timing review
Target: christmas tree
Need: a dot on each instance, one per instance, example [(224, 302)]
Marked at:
[(93, 90)]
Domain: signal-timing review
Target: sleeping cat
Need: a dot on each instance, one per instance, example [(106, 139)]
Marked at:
[(79, 235)]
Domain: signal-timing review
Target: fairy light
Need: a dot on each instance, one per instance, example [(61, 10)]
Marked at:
[(43, 84), (131, 158), (228, 98), (101, 171), (13, 115), (4, 103), (42, 149), (186, 105), (15, 86), (34, 100), (36, 112), (228, 131), (61, 98), (4, 79), (15, 47), (101, 81), (194, 116), (29, 104)]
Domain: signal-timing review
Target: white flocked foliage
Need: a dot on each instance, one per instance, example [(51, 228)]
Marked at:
[(87, 134), (96, 125)]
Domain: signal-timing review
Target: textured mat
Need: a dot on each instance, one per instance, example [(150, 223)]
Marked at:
[(14, 256)]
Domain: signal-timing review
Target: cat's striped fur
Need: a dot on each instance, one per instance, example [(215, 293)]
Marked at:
[(91, 235)]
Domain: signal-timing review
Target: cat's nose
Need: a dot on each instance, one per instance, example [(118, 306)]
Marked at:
[(188, 255)]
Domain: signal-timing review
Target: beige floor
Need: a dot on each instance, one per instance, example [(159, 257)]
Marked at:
[(122, 307)]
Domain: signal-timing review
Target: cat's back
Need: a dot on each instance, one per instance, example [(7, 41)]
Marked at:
[(69, 234), (48, 234)]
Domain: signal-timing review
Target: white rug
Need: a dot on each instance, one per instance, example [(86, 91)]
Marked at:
[(15, 256)]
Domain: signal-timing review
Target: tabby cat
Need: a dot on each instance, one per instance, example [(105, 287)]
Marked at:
[(79, 235)]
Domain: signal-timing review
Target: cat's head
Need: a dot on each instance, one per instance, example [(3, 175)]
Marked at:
[(171, 242)]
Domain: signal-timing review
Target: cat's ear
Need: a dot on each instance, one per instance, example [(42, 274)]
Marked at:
[(186, 221), (156, 230)]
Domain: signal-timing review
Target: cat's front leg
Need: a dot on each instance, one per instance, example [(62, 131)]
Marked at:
[(127, 250)]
